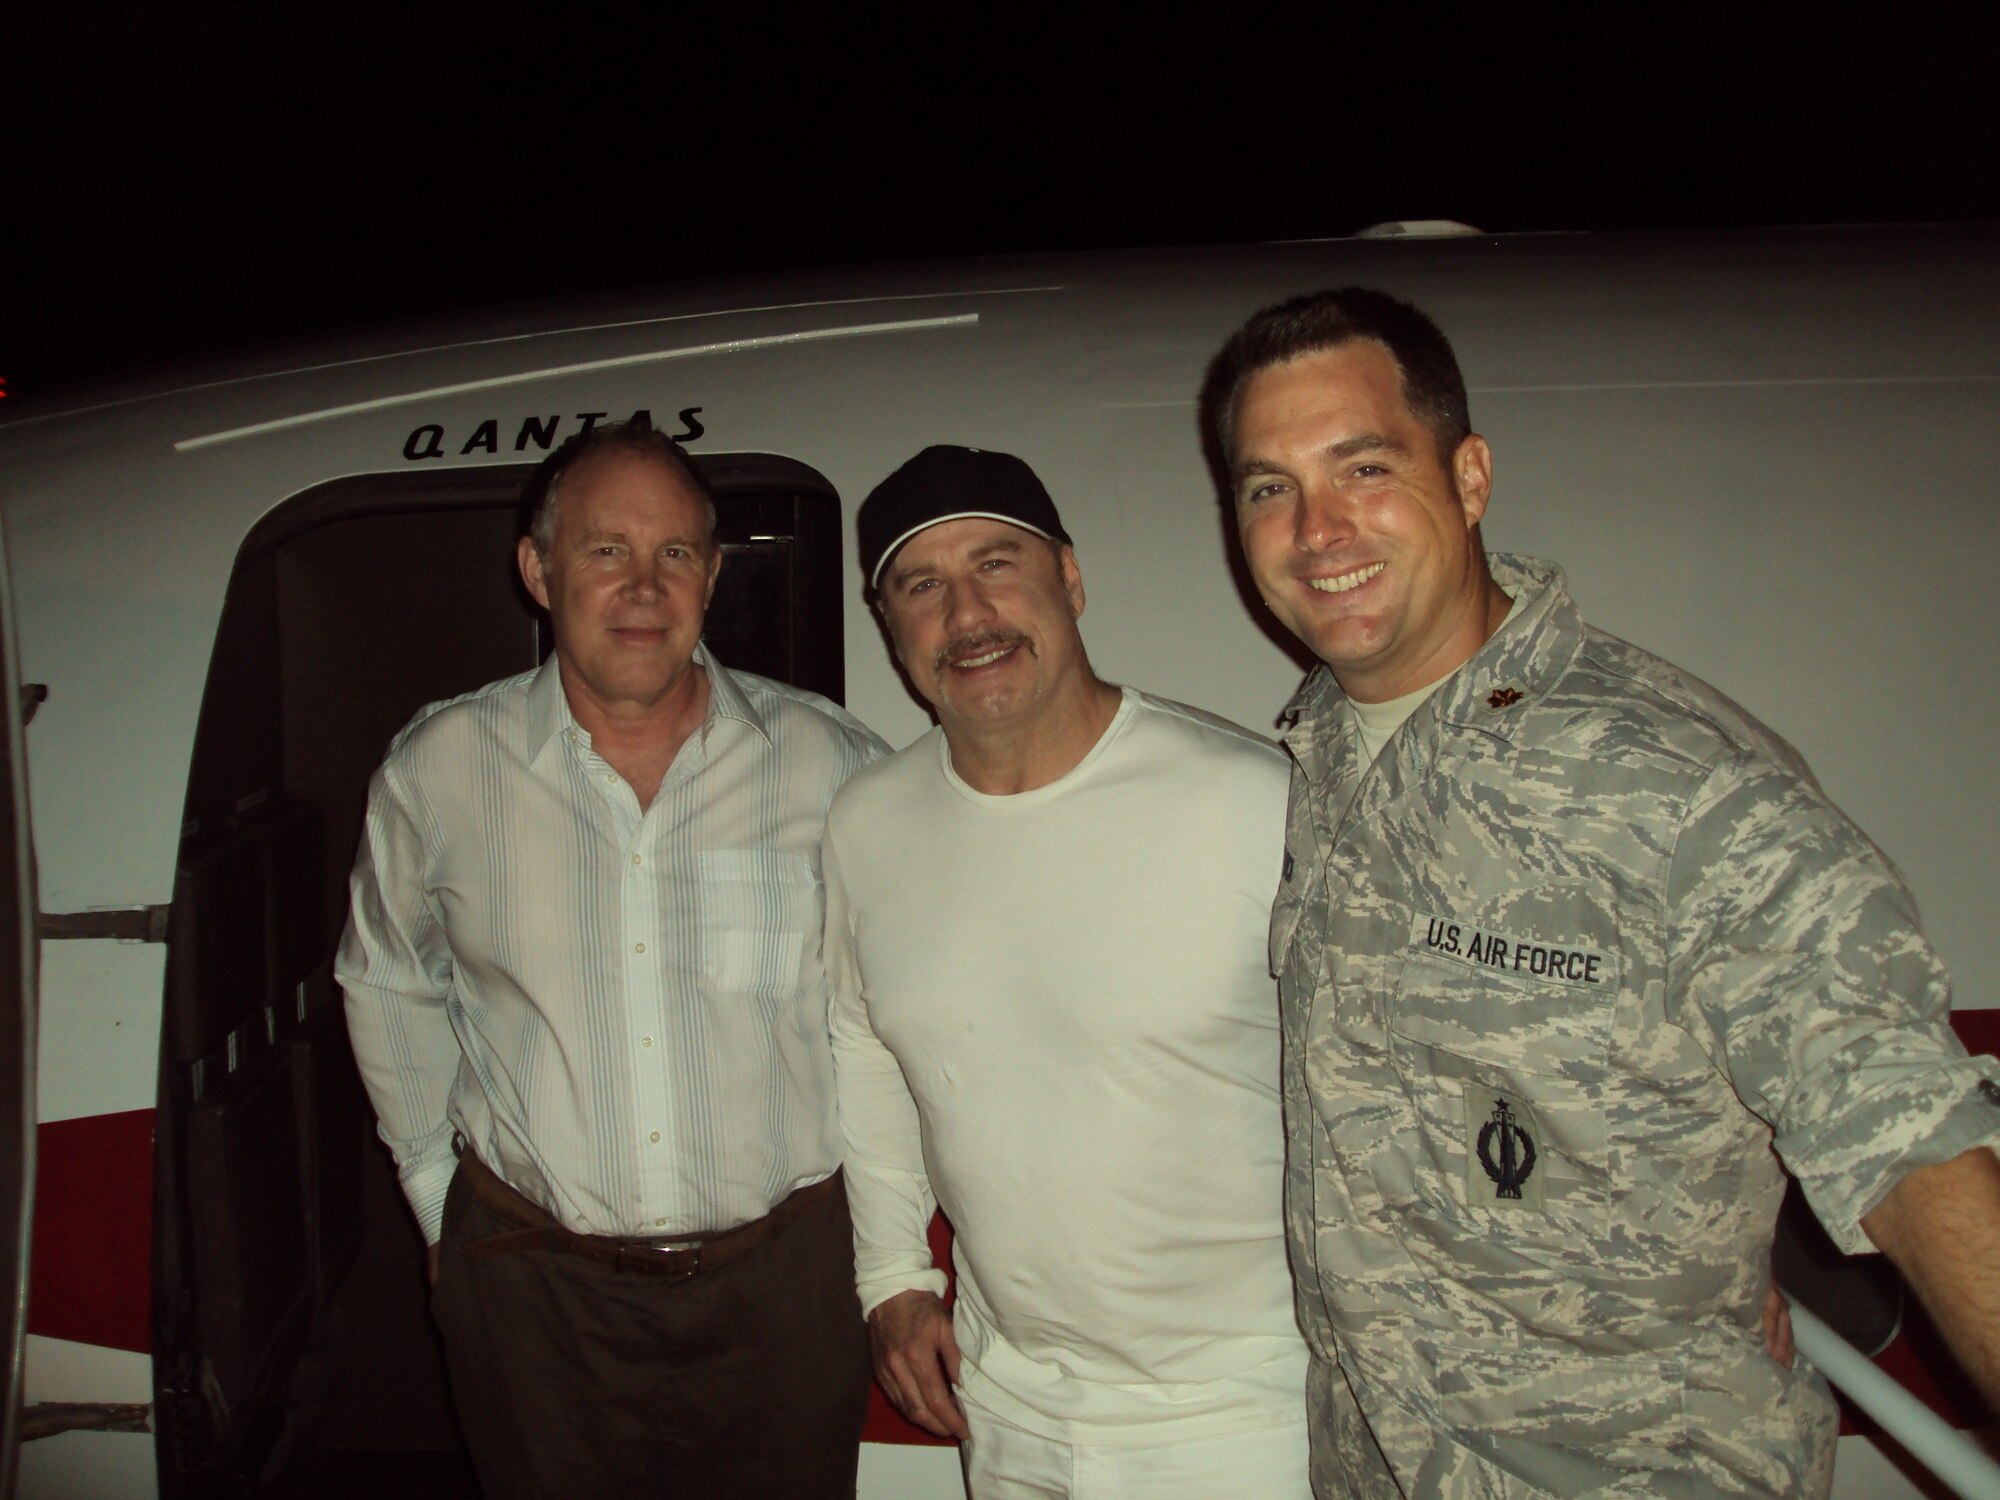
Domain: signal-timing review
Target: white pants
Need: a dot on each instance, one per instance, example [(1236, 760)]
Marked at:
[(1004, 1463)]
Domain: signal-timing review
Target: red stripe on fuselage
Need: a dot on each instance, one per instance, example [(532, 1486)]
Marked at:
[(90, 1279), (91, 1276), (1978, 1029)]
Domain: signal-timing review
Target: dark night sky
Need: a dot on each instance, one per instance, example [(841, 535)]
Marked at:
[(173, 191)]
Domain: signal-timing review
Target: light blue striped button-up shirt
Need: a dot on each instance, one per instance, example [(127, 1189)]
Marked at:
[(623, 1012)]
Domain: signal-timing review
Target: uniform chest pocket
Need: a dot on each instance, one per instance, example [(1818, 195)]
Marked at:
[(1516, 997), (1502, 1034), (761, 911)]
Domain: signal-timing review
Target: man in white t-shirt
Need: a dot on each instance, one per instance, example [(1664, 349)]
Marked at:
[(1054, 1016)]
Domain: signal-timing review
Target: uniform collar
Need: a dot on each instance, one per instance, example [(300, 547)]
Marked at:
[(549, 714), (1492, 692), (1526, 657), (1319, 733)]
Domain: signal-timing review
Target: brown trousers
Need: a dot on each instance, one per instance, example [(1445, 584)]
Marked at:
[(575, 1379)]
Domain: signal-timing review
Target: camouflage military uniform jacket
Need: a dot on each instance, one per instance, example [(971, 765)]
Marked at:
[(1558, 972)]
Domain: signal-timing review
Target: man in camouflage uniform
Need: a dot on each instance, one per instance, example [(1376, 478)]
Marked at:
[(1567, 944)]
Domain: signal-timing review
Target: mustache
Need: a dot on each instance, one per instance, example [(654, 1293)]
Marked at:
[(979, 644)]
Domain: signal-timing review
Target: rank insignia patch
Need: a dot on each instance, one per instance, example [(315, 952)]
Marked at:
[(1503, 1167), (1504, 697)]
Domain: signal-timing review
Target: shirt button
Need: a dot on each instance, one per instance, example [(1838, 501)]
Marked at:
[(638, 947), (654, 1138), (645, 1041), (636, 860), (659, 1223), (611, 780)]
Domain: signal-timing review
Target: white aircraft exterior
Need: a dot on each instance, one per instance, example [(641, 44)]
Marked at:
[(1766, 456)]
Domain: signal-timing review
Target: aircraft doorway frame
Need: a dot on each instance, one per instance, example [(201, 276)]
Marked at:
[(18, 1003)]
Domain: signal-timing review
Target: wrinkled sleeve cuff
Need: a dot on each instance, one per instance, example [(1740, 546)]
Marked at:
[(1849, 1166), (879, 1289), (425, 1185)]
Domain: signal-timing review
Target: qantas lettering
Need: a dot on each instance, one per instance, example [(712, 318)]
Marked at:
[(428, 441)]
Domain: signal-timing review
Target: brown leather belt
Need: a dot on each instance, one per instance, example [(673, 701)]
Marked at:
[(539, 1231)]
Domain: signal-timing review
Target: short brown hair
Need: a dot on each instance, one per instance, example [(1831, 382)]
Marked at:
[(1433, 388)]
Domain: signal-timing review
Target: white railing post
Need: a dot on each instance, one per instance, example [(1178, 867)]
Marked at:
[(1931, 1440)]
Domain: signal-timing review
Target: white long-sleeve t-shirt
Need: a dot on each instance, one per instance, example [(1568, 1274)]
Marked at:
[(1054, 1011)]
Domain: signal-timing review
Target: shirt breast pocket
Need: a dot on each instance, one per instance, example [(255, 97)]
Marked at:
[(1503, 1033), (761, 911)]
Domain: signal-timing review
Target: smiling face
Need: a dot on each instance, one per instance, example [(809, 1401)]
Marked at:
[(626, 582), (1363, 541), (983, 615)]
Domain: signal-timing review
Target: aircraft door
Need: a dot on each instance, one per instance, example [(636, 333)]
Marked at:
[(293, 1336)]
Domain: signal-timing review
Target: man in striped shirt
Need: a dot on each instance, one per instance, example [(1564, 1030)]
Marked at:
[(585, 990)]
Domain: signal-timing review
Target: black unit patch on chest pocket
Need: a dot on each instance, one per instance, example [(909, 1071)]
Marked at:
[(1503, 1140)]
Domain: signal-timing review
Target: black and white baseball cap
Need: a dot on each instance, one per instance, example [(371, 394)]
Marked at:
[(946, 483)]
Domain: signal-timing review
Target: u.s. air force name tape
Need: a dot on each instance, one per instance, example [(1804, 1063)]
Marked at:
[(1484, 948)]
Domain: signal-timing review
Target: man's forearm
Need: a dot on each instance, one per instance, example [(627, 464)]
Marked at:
[(1941, 1226), (888, 1192), (408, 1059)]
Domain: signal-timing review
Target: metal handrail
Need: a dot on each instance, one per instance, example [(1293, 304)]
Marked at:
[(1931, 1440)]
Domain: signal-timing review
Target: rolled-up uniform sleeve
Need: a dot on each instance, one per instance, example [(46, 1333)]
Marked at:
[(396, 969), (1796, 957)]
